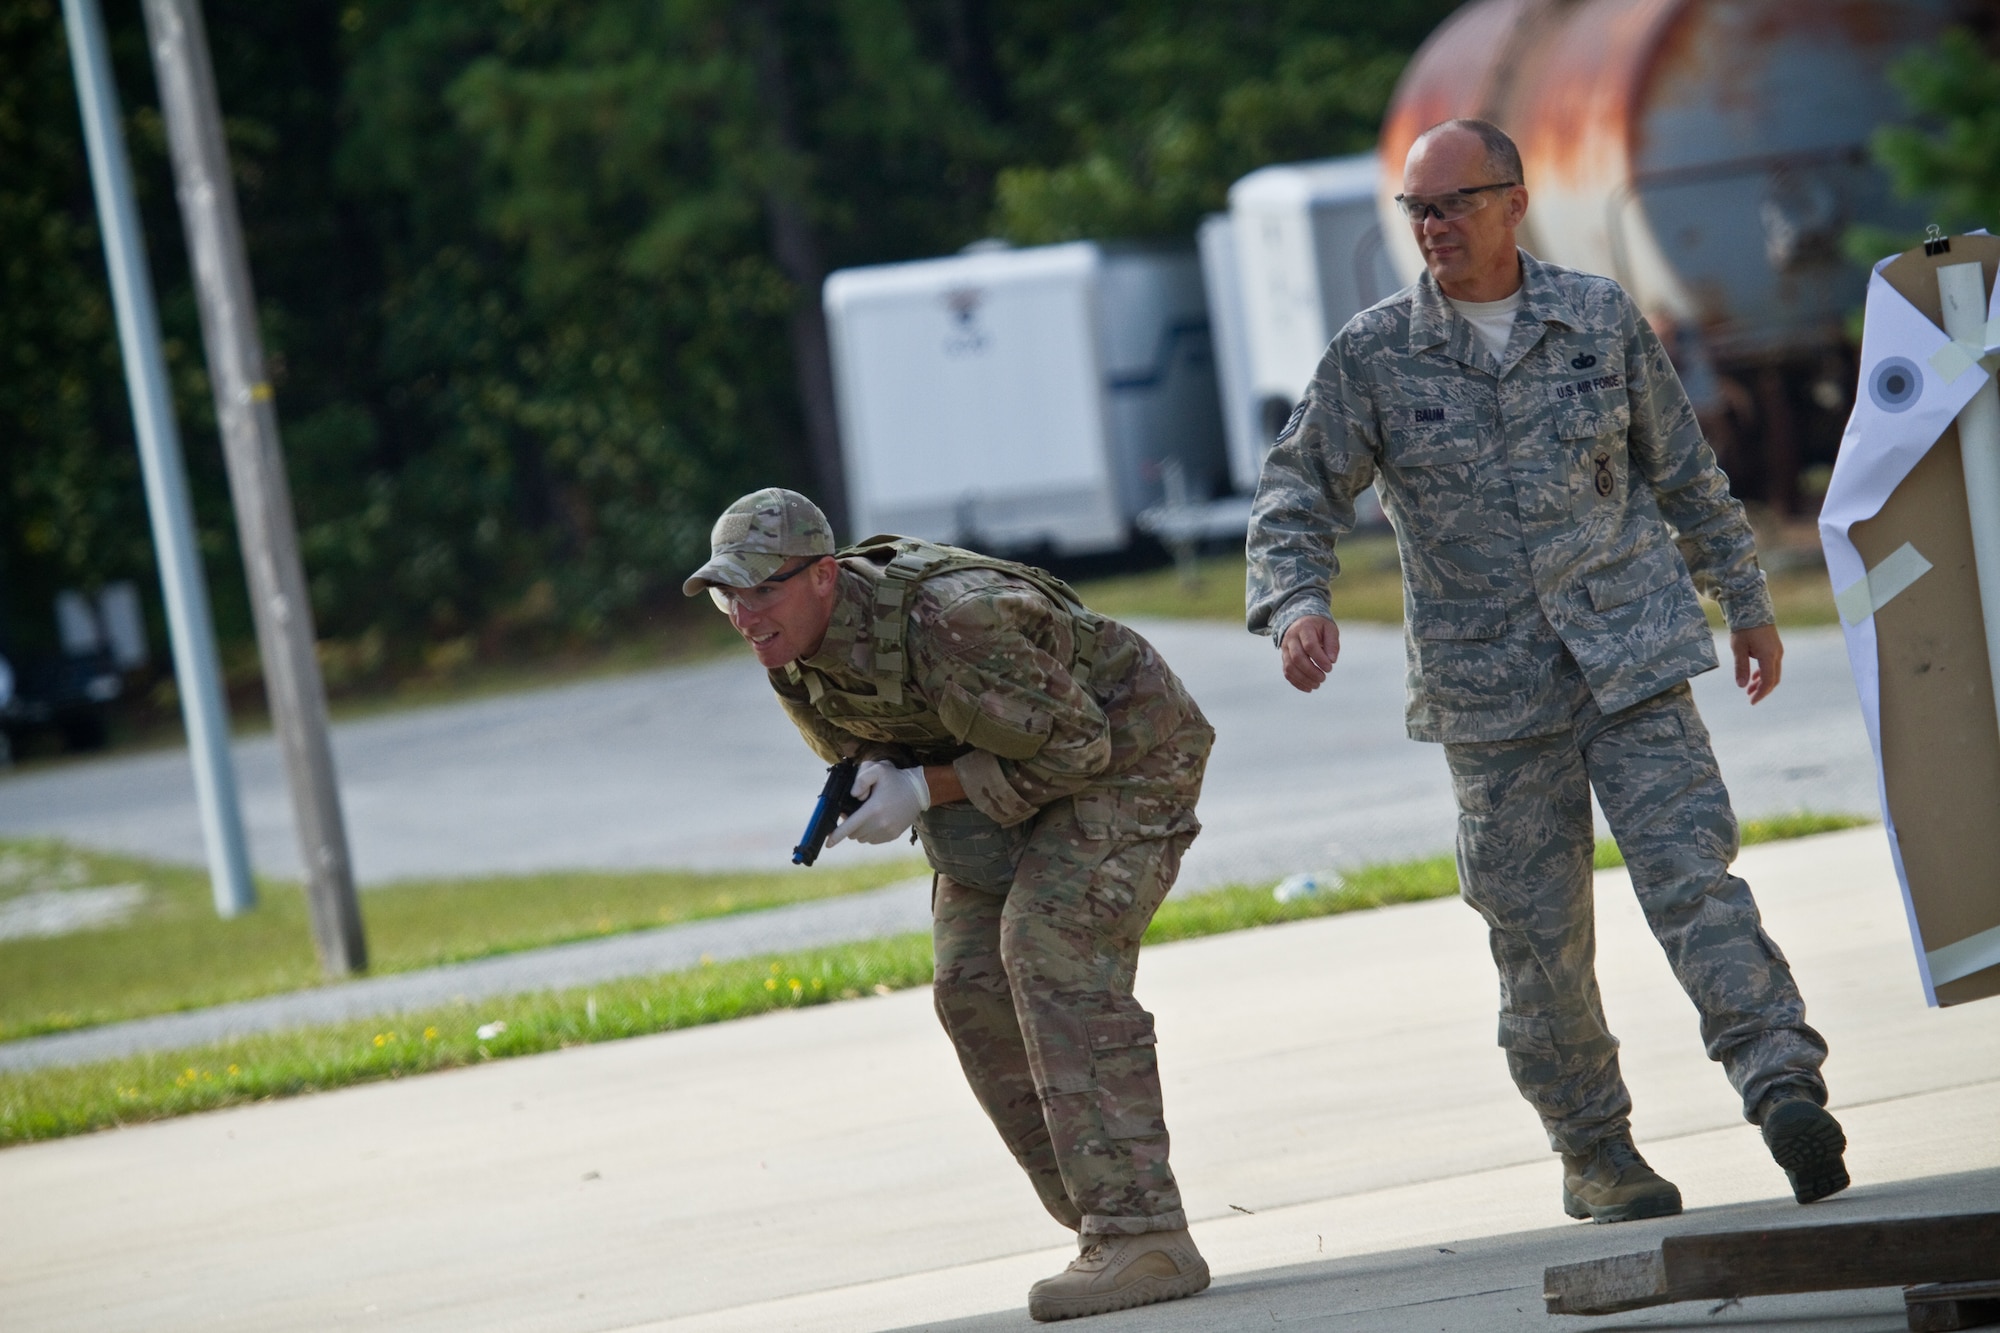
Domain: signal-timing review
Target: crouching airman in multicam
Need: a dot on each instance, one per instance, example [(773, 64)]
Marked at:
[(1049, 762)]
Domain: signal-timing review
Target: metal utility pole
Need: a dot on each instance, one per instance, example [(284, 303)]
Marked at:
[(256, 467), (181, 581)]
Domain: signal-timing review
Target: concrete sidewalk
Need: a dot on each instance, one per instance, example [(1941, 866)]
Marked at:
[(1344, 1132)]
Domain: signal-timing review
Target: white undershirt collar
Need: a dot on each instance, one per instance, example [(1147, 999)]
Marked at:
[(1493, 321)]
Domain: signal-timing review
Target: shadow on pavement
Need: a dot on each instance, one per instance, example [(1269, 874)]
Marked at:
[(1494, 1284)]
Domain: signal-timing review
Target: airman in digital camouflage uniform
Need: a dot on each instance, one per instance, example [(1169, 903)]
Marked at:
[(1050, 763), (1551, 492)]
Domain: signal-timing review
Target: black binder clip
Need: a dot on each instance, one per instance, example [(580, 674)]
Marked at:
[(1936, 242)]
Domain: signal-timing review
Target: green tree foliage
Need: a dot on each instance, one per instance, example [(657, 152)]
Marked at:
[(540, 281), (1950, 156), (69, 496), (1137, 117)]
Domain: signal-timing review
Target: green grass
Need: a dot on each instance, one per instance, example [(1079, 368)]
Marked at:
[(1370, 590), (175, 953), (1370, 587), (52, 1103), (1244, 906)]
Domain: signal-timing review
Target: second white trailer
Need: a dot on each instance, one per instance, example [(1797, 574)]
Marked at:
[(1309, 257)]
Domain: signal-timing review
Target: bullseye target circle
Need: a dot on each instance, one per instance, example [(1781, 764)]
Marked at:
[(1896, 384)]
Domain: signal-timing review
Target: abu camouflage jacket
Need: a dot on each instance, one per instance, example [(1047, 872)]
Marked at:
[(1554, 498), (937, 655)]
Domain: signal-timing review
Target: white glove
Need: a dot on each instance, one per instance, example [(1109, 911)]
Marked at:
[(892, 798)]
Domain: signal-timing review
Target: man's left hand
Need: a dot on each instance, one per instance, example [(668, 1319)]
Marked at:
[(1757, 645)]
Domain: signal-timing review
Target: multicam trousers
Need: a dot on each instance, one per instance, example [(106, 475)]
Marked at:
[(1524, 857), (1034, 987)]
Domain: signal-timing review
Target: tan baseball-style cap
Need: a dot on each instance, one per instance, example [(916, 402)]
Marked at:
[(756, 536)]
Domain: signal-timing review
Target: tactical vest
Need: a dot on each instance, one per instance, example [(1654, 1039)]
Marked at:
[(959, 840), (892, 713)]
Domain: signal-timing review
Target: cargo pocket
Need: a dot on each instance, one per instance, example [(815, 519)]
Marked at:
[(1122, 815), (1594, 443), (1643, 573), (1125, 1066), (1438, 474), (1530, 1044), (1455, 649)]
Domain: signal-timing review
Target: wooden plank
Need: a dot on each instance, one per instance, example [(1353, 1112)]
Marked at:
[(1946, 1307), (1606, 1286), (1890, 1252)]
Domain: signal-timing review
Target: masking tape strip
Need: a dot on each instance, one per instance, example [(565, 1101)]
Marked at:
[(1954, 359), (1902, 567), (1974, 953)]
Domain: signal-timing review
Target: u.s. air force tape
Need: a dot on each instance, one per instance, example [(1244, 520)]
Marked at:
[(1902, 567)]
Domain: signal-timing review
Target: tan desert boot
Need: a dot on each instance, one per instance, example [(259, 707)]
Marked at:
[(1120, 1272), (1612, 1183)]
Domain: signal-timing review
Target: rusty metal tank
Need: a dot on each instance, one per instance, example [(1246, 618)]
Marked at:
[(1708, 154)]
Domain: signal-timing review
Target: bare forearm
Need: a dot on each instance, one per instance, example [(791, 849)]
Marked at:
[(944, 784)]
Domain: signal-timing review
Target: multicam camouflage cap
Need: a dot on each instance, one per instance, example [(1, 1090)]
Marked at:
[(756, 535)]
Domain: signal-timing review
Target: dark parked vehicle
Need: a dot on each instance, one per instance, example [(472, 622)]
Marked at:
[(68, 692)]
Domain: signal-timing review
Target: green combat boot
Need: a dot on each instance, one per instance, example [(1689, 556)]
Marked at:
[(1808, 1143), (1120, 1272), (1612, 1183)]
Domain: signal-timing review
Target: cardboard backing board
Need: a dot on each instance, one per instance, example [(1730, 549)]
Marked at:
[(1940, 731)]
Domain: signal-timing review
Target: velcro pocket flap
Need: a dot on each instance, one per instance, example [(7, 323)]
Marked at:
[(1527, 1036), (999, 724), (1477, 618), (1117, 1032), (1096, 811), (1589, 423), (1432, 448), (1649, 571)]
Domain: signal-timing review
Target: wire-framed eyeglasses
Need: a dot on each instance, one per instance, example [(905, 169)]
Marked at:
[(760, 596), (1449, 207)]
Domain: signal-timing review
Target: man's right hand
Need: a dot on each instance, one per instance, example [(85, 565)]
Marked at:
[(891, 799), (1311, 647)]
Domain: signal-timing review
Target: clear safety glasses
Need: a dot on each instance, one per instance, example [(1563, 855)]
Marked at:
[(757, 598), (1449, 207)]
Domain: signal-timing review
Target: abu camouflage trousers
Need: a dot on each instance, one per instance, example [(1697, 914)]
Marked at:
[(1524, 862), (1034, 986)]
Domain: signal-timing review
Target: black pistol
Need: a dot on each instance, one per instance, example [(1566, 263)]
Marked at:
[(835, 799)]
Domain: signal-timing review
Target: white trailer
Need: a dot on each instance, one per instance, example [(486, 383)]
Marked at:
[(1024, 400), (1309, 256)]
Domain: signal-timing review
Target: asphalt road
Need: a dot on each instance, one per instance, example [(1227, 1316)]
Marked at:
[(695, 767)]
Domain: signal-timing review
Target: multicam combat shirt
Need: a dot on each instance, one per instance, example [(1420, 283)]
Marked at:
[(1554, 498), (988, 672)]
